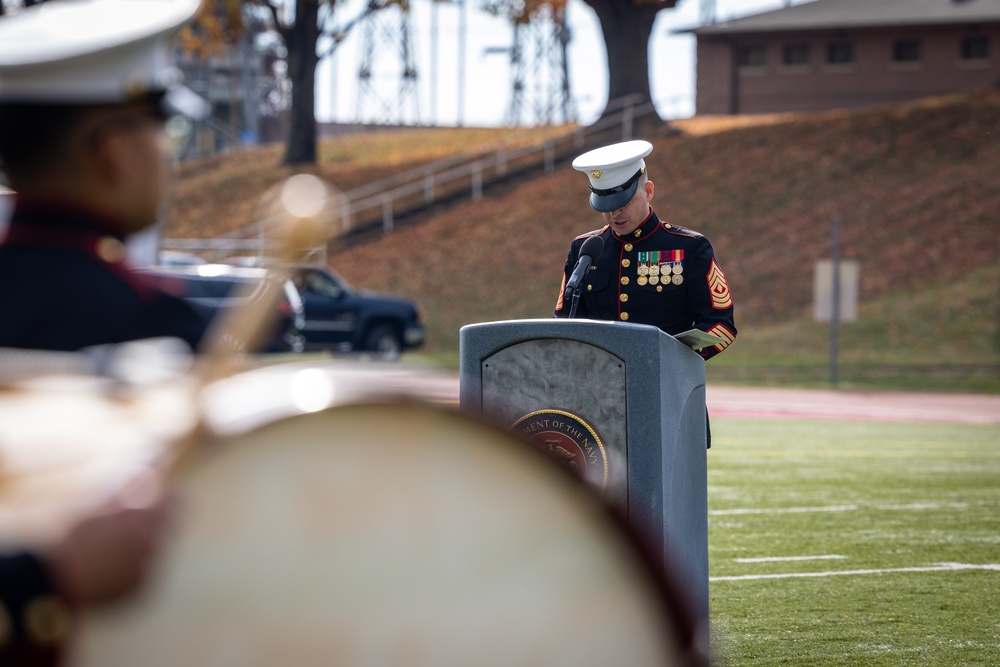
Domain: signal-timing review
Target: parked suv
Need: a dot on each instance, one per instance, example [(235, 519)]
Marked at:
[(338, 317), (212, 288)]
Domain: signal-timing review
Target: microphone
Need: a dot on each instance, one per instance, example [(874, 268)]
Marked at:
[(592, 247)]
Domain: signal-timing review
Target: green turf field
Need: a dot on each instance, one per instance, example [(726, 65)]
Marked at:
[(854, 543)]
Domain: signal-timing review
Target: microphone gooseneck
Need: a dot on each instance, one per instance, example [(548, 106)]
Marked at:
[(591, 249)]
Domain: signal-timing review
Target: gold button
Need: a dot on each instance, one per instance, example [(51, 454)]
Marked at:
[(628, 247), (624, 317), (659, 288), (110, 249), (6, 626), (47, 620), (590, 288), (623, 297), (624, 280), (626, 263)]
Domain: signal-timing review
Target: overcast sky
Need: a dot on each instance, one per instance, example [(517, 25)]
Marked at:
[(487, 81)]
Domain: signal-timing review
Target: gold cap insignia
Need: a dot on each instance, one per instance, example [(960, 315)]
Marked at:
[(596, 173)]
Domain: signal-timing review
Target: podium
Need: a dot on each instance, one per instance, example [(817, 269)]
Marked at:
[(622, 403)]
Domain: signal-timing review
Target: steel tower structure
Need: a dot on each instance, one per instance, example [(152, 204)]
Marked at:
[(387, 76), (539, 69)]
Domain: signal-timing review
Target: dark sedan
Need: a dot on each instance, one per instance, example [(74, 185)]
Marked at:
[(216, 288)]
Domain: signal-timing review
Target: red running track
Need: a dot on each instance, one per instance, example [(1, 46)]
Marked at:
[(724, 401), (853, 405)]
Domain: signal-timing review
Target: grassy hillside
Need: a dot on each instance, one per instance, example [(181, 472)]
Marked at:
[(217, 194), (916, 187)]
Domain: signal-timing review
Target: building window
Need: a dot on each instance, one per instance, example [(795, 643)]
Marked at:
[(840, 53), (975, 48), (906, 51), (795, 54), (754, 55)]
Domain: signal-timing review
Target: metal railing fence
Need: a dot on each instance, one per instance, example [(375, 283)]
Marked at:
[(380, 203)]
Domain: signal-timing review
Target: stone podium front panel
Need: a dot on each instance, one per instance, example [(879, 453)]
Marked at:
[(551, 376)]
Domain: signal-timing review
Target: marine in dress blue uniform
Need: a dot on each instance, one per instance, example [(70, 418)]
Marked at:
[(649, 270), (85, 89), (65, 285)]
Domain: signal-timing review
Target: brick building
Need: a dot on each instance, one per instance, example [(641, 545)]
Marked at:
[(846, 53)]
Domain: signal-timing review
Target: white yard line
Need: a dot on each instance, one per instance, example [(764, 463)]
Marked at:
[(782, 510), (785, 559), (907, 507), (940, 567)]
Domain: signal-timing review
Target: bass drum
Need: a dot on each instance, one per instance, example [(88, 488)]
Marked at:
[(390, 534)]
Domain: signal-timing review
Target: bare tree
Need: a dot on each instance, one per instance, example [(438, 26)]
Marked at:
[(308, 31), (627, 26), (297, 22)]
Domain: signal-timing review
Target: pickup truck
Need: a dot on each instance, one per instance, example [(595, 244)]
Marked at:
[(341, 318)]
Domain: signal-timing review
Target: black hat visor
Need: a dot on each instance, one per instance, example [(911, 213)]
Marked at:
[(613, 199)]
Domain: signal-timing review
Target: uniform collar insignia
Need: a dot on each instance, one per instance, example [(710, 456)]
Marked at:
[(642, 231)]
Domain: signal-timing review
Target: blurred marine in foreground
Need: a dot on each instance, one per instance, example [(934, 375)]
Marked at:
[(85, 91)]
